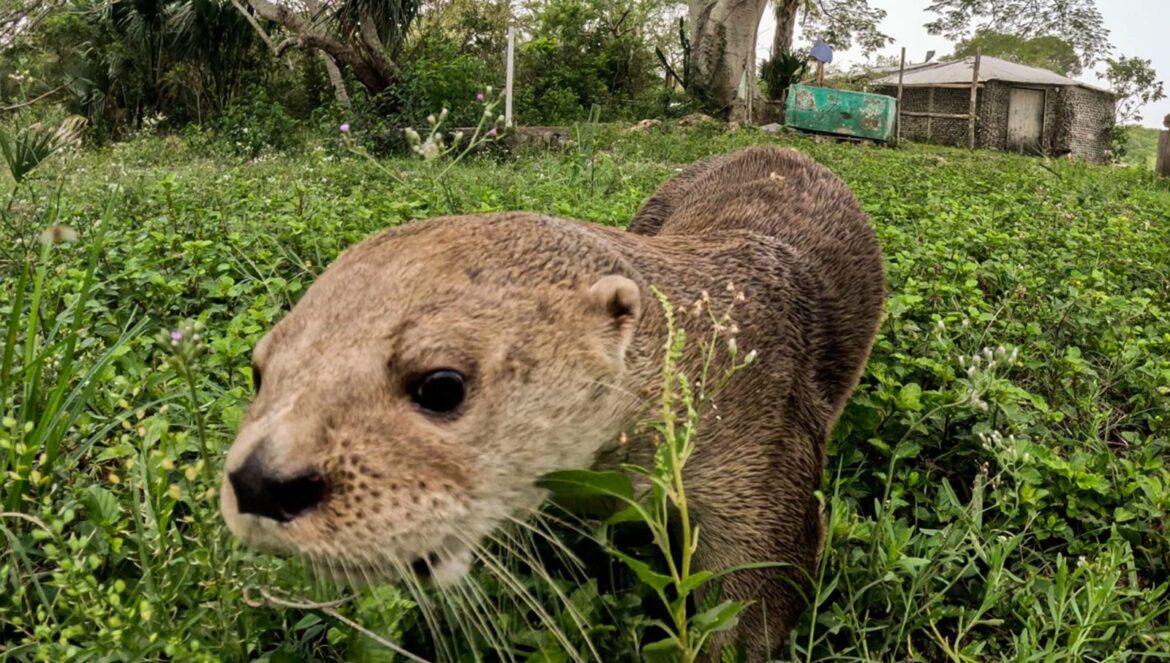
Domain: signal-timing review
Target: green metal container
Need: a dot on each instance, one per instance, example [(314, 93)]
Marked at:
[(842, 112)]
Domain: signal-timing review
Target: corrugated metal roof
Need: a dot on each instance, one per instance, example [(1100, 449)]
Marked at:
[(990, 69)]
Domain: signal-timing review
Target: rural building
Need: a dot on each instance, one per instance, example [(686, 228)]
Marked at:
[(1018, 108)]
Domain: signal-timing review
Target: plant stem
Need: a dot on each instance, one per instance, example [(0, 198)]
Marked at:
[(188, 373)]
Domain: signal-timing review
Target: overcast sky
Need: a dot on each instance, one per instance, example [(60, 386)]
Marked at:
[(1136, 27)]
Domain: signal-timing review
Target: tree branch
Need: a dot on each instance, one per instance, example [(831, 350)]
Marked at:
[(30, 102)]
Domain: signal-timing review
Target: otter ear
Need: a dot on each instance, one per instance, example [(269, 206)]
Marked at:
[(619, 300)]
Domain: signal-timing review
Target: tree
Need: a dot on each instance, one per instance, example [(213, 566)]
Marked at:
[(1052, 53), (1135, 83), (119, 62), (838, 22), (723, 33), (361, 35), (723, 47), (1078, 22), (578, 53)]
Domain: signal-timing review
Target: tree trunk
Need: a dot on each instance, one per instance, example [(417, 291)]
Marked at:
[(786, 11), (337, 80), (723, 47), (372, 68)]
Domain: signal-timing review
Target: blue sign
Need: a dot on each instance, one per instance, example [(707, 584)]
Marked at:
[(821, 52)]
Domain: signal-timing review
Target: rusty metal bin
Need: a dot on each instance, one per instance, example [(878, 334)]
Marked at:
[(841, 112)]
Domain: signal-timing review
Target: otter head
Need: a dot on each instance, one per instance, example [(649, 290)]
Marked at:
[(408, 403)]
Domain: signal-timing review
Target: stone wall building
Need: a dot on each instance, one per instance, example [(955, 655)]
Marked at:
[(1018, 108)]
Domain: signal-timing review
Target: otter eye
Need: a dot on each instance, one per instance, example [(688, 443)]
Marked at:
[(439, 391), (255, 378)]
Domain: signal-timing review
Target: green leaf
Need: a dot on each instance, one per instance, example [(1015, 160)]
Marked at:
[(307, 621), (662, 651), (588, 483), (695, 580), (720, 618), (630, 514), (910, 397), (646, 574), (100, 505)]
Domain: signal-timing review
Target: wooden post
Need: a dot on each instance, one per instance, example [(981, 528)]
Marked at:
[(820, 74), (930, 113), (1162, 165), (901, 73), (974, 98), (508, 79)]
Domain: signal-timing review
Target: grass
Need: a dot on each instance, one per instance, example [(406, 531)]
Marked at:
[(984, 504), (1142, 148)]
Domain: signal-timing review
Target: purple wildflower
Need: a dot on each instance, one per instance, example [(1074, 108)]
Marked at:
[(492, 132), (176, 335), (479, 97), (344, 127)]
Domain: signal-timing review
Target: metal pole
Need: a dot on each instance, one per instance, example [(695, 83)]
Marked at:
[(974, 96), (508, 81), (898, 118)]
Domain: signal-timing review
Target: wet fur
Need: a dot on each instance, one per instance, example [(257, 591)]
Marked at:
[(814, 278), (537, 311)]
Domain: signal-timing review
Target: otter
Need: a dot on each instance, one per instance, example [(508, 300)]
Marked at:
[(410, 401)]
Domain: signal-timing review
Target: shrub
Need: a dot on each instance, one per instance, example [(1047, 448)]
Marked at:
[(782, 71), (441, 77), (253, 123), (578, 57)]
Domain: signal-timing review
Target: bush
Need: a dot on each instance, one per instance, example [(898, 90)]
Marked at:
[(439, 78), (254, 122), (576, 59), (781, 72)]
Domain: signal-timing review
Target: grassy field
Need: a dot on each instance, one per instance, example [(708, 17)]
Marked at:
[(998, 487), (1142, 150)]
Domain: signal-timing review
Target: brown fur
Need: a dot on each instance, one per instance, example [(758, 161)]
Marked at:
[(554, 323)]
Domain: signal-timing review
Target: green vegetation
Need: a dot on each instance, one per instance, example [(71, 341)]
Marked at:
[(997, 487), (1047, 52), (1141, 146)]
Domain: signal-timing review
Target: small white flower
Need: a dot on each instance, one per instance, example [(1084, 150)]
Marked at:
[(429, 149)]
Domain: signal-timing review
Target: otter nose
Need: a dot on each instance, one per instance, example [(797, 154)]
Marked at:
[(261, 493)]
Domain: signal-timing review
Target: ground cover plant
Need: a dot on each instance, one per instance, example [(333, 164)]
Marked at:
[(997, 488)]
